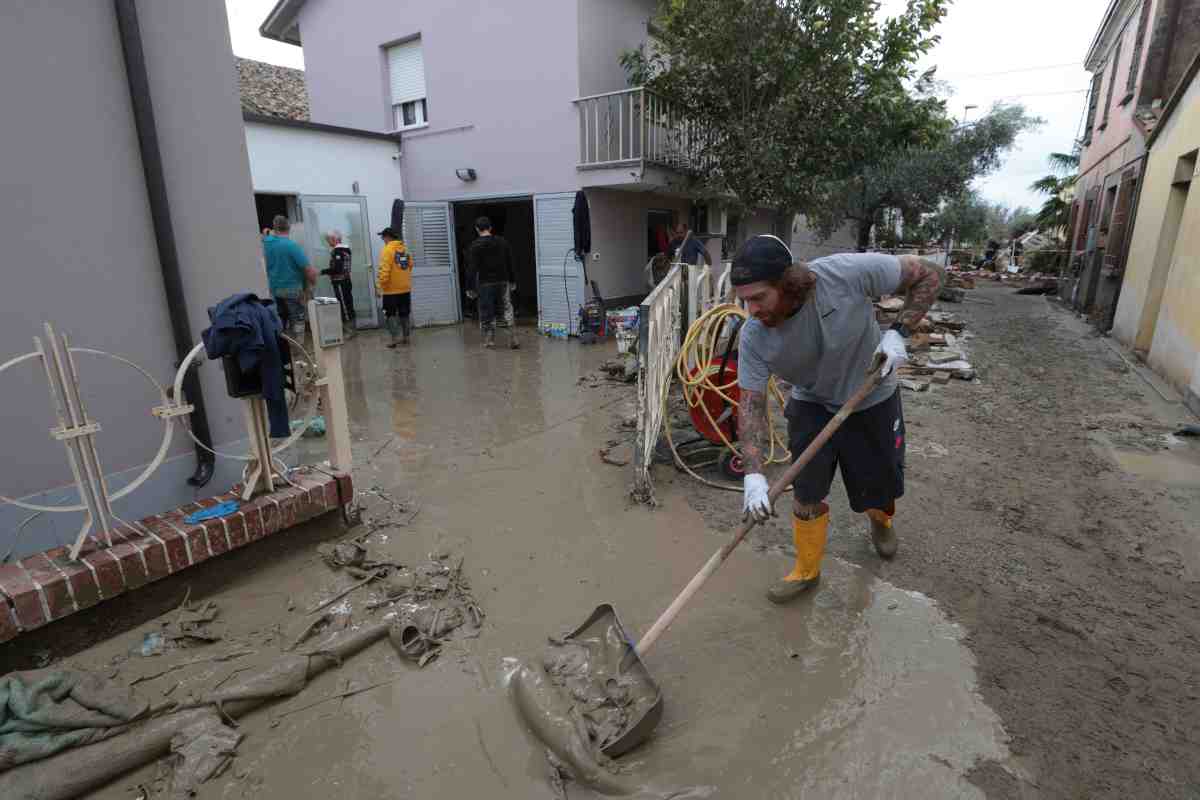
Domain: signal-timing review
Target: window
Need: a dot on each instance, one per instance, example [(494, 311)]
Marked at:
[(406, 73), (1112, 81), (1136, 58), (1093, 98)]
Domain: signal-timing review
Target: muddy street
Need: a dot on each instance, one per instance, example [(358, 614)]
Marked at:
[(1050, 512), (1034, 638)]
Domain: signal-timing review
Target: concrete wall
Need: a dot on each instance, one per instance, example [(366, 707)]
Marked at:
[(75, 220), (619, 230), (500, 81), (1160, 297), (606, 29), (288, 160)]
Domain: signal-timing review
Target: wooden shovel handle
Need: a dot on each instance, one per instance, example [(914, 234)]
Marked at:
[(789, 475)]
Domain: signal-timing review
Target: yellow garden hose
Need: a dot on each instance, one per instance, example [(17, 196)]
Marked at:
[(698, 375)]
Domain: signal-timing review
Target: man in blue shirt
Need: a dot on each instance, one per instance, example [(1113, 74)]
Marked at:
[(289, 274), (687, 249)]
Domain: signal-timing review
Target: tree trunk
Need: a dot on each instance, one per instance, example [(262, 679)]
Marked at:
[(864, 233)]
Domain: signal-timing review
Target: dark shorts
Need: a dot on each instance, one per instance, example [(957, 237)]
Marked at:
[(397, 304), (868, 448)]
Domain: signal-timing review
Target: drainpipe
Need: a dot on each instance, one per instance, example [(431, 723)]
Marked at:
[(164, 232)]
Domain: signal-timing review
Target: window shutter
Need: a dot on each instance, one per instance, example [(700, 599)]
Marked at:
[(1093, 98), (1138, 42), (406, 66), (1112, 81)]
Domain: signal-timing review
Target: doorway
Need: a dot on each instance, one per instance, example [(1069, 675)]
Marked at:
[(268, 206), (512, 219)]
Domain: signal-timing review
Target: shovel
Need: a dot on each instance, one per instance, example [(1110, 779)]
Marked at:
[(604, 618)]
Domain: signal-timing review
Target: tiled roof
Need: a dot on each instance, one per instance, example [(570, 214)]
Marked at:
[(271, 90)]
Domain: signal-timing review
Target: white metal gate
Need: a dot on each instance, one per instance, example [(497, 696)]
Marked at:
[(429, 235), (559, 274)]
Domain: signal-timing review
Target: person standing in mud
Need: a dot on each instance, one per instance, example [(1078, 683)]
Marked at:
[(813, 325), (394, 283), (490, 269), (339, 277)]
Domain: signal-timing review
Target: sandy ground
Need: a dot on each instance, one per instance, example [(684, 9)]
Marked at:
[(1051, 513), (1035, 637)]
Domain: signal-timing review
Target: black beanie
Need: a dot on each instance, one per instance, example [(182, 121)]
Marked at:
[(760, 258)]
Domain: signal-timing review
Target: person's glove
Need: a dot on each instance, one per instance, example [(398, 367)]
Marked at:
[(895, 354), (472, 294), (512, 288), (756, 501)]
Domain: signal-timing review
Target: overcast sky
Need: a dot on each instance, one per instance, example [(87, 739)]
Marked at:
[(980, 38)]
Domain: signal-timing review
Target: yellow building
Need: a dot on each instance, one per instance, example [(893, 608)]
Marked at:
[(1159, 309)]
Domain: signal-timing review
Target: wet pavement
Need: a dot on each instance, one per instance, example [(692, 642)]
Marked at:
[(861, 690)]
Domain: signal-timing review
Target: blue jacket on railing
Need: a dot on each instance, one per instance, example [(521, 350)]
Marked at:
[(248, 328)]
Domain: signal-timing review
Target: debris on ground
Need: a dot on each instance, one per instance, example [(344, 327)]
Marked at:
[(617, 453), (200, 753), (43, 712)]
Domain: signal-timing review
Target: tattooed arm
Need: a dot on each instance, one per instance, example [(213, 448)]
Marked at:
[(920, 282), (752, 429)]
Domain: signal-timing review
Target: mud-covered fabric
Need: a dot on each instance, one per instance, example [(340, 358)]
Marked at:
[(43, 712)]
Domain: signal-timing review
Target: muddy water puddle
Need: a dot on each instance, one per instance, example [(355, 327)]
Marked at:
[(861, 690)]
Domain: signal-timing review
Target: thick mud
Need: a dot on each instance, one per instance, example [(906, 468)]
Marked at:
[(863, 689), (1052, 514)]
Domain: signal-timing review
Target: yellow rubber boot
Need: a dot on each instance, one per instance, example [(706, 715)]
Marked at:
[(809, 536), (883, 535)]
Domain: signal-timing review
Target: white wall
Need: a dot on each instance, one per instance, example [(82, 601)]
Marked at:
[(619, 237), (303, 161)]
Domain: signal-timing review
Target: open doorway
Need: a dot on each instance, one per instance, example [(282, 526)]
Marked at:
[(512, 219), (267, 206)]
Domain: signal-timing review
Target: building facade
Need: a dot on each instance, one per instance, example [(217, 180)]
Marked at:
[(1137, 58), (1158, 314), (509, 111)]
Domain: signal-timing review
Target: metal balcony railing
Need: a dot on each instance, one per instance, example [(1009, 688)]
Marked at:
[(638, 127)]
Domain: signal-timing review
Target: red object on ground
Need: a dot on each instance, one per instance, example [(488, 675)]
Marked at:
[(715, 404)]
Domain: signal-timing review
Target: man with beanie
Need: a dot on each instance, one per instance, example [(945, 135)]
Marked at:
[(813, 325), (395, 286)]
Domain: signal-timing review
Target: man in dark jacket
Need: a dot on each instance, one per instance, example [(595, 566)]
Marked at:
[(490, 269), (339, 277)]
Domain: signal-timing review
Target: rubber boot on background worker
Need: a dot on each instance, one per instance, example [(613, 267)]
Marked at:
[(395, 286), (795, 335)]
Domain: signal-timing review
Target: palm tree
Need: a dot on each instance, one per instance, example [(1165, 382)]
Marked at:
[(1055, 213)]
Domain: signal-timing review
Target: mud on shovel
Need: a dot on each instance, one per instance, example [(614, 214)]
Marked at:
[(604, 619)]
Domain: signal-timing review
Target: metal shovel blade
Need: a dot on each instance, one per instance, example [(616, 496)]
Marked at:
[(605, 624)]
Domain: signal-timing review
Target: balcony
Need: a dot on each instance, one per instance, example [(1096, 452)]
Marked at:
[(638, 128)]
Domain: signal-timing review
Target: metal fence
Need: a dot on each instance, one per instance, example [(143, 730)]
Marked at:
[(637, 125), (76, 429), (660, 318)]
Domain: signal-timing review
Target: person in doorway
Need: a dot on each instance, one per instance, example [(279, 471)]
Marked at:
[(813, 325), (290, 276), (490, 269), (395, 287), (339, 276), (687, 248)]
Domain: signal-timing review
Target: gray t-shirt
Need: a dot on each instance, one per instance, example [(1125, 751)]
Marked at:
[(825, 349)]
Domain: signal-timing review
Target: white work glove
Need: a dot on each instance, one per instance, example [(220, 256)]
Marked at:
[(472, 294), (894, 352), (756, 501)]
